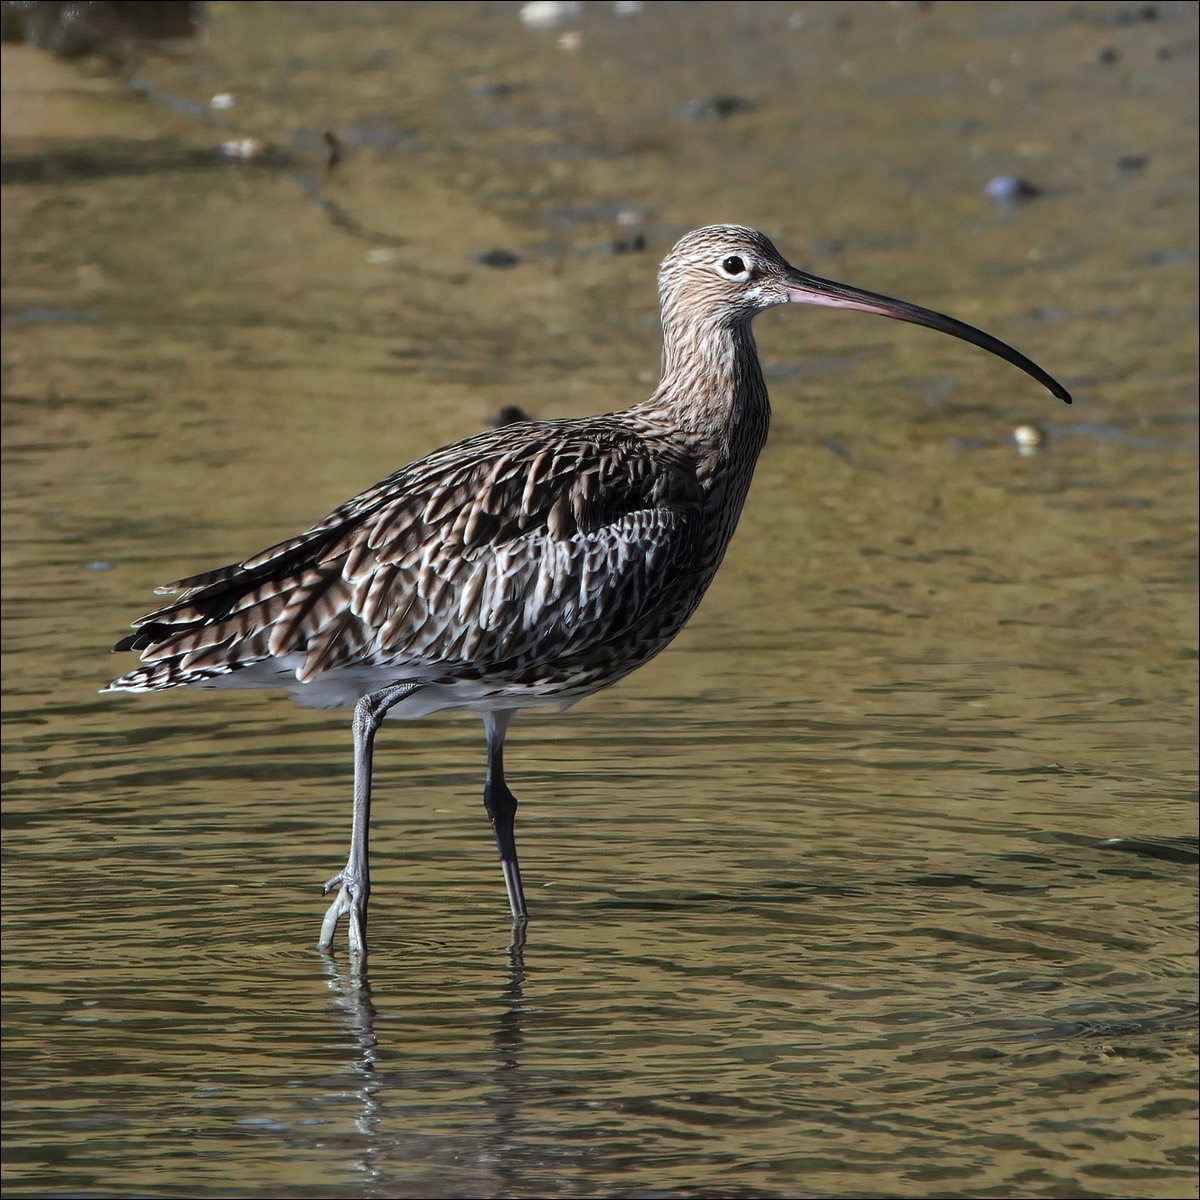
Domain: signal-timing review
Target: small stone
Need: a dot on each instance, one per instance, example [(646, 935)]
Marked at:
[(1134, 16), (715, 108), (545, 14), (1011, 189), (628, 245), (244, 148), (500, 259), (499, 90), (509, 414), (1029, 438), (1132, 162)]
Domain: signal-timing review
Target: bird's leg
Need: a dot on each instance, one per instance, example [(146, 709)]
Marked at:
[(501, 807), (355, 878)]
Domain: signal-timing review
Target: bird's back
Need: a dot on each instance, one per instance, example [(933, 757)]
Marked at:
[(550, 556)]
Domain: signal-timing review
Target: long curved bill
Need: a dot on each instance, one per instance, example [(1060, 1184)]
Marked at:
[(809, 289)]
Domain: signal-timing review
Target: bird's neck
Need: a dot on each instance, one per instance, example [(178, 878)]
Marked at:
[(712, 400)]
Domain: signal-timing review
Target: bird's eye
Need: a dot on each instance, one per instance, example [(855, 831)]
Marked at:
[(733, 266)]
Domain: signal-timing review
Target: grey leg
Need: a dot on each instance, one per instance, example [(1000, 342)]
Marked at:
[(355, 878), (501, 807)]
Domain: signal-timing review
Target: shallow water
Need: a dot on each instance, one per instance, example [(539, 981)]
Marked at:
[(881, 881)]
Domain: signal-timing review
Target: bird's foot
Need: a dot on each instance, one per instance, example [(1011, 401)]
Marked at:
[(350, 902)]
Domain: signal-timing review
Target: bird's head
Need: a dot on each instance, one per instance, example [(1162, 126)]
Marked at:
[(722, 275)]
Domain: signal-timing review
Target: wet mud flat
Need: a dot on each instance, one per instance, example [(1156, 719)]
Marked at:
[(882, 879)]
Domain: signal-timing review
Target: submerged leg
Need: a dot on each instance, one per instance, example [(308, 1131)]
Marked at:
[(355, 878), (501, 807)]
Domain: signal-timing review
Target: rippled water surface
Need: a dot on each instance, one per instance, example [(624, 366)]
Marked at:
[(882, 880)]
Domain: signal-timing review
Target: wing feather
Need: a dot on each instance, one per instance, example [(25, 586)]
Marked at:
[(519, 548)]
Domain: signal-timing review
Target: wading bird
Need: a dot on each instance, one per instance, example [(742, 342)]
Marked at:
[(525, 567)]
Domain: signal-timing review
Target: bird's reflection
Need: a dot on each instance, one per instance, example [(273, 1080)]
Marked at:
[(507, 1037), (351, 986), (354, 1006)]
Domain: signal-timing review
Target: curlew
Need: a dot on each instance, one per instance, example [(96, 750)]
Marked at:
[(525, 567)]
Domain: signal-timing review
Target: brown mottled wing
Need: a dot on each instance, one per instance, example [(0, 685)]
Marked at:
[(531, 550)]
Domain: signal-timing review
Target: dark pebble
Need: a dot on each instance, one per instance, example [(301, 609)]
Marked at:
[(510, 414), (628, 245), (1134, 16), (1132, 162), (501, 259), (1006, 189), (492, 91), (715, 108)]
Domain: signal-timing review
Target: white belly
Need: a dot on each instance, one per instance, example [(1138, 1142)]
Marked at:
[(344, 687)]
